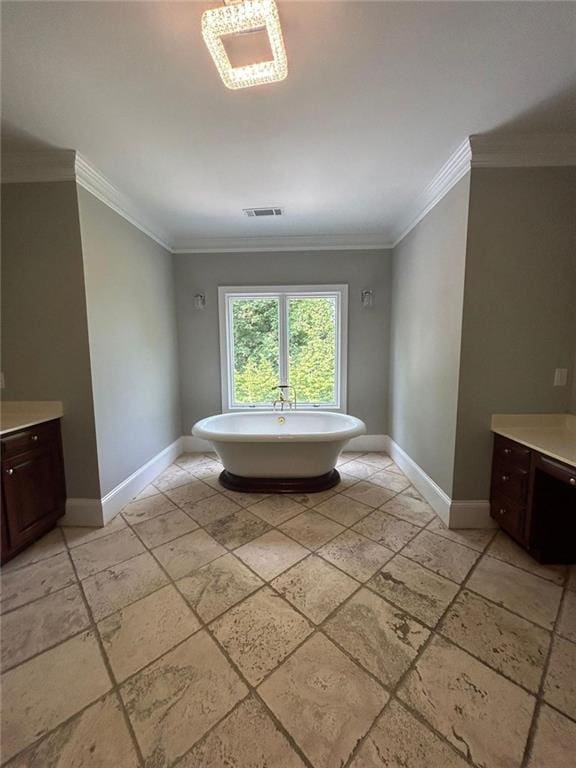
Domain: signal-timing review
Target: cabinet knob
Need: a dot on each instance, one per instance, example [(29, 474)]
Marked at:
[(10, 471), (501, 511), (572, 481), (505, 478), (507, 450), (34, 438)]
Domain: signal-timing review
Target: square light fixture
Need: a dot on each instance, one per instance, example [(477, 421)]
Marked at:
[(236, 18)]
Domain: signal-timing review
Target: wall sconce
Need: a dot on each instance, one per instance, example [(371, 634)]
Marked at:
[(200, 301), (367, 297)]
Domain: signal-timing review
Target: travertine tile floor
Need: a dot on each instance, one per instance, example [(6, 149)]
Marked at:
[(208, 629)]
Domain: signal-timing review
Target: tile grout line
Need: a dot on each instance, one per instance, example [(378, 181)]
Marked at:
[(319, 628), (37, 599), (48, 648), (314, 552), (109, 670), (204, 626), (18, 568), (315, 630), (551, 632), (93, 625), (509, 610), (112, 690), (273, 527), (394, 689), (132, 526), (540, 699), (149, 550), (52, 731), (360, 585), (267, 583), (525, 570), (437, 629)]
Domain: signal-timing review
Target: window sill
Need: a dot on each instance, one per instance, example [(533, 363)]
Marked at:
[(271, 409)]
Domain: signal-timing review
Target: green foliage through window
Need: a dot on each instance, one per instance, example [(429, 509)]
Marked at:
[(312, 348), (255, 326), (309, 361)]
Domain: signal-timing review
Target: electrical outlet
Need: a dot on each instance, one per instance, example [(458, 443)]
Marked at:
[(560, 377)]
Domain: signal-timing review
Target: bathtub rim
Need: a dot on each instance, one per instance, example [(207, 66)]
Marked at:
[(358, 427)]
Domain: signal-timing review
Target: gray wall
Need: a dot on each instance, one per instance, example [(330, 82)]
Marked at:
[(133, 348), (44, 330), (367, 333), (519, 307), (427, 292)]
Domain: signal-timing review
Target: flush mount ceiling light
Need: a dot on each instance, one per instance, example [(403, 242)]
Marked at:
[(240, 16)]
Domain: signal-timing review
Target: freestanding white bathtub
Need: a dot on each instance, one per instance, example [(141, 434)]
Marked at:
[(288, 451)]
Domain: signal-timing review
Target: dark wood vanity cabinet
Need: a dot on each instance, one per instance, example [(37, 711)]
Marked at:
[(510, 481), (33, 485), (533, 498)]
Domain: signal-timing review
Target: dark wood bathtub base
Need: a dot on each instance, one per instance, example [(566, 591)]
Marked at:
[(279, 484)]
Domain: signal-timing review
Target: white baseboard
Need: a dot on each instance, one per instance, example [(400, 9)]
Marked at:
[(471, 514), (434, 495), (98, 512), (367, 443), (83, 512), (456, 514), (191, 444), (125, 491)]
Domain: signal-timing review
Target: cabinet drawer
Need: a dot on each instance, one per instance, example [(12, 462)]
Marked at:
[(557, 469), (509, 454), (38, 436), (510, 482)]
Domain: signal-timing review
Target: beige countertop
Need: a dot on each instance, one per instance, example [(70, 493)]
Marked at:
[(19, 414), (553, 434)]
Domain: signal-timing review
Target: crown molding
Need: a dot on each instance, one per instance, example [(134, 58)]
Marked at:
[(523, 151), (69, 165), (454, 169), (485, 151), (477, 151), (283, 243), (88, 177)]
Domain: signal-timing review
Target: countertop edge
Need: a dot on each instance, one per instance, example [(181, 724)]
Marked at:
[(510, 434), (22, 415), (33, 423)]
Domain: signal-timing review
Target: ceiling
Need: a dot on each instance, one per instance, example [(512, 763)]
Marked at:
[(378, 95)]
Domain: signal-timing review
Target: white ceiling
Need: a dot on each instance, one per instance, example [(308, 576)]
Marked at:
[(378, 95)]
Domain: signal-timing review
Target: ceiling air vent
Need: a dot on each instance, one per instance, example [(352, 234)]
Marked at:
[(272, 211)]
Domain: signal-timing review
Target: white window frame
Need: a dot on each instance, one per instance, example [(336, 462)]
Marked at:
[(225, 293)]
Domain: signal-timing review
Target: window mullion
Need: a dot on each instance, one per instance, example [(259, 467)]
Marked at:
[(283, 351)]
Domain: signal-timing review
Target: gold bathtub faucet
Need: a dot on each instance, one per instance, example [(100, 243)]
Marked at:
[(284, 401)]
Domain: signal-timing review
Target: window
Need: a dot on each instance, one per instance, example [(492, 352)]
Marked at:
[(289, 335)]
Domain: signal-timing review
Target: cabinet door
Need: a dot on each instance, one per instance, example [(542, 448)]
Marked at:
[(33, 492), (509, 516)]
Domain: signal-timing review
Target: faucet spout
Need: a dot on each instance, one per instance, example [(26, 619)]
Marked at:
[(284, 400)]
